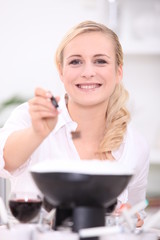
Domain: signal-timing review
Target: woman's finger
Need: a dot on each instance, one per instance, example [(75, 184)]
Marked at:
[(42, 93), (41, 102), (140, 222)]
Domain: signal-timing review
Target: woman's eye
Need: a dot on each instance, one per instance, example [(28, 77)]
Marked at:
[(75, 62), (100, 61)]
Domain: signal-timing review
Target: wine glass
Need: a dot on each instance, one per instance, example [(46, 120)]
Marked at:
[(25, 206)]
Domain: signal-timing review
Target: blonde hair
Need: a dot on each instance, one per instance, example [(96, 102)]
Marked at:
[(117, 115)]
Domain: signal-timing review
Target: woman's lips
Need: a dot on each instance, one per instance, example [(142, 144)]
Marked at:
[(90, 86)]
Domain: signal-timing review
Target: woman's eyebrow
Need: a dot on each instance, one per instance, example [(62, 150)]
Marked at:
[(96, 55), (75, 55), (101, 55)]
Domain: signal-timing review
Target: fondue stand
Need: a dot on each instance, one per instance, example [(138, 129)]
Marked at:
[(81, 190)]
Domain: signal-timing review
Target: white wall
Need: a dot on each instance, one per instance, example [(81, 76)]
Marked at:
[(142, 79), (30, 31)]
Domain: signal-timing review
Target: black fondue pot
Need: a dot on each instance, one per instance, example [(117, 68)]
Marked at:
[(82, 190)]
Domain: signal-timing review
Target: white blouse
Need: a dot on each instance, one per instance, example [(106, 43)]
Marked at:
[(134, 152)]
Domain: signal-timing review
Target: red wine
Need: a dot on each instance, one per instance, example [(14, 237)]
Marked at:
[(23, 210)]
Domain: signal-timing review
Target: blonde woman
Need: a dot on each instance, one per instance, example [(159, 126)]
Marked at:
[(90, 64)]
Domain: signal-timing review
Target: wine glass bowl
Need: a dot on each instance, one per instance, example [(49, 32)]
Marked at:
[(25, 206)]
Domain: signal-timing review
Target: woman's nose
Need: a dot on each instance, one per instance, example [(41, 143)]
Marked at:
[(88, 70)]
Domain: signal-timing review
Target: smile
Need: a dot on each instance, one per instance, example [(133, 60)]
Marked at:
[(89, 86)]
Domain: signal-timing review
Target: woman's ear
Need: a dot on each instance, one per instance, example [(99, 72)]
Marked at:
[(119, 73)]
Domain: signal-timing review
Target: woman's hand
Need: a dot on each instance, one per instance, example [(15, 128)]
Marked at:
[(140, 221), (43, 114)]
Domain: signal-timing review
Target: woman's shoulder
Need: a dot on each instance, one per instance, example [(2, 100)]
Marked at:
[(21, 107), (19, 116)]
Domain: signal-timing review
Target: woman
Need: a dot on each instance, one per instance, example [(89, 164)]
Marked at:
[(90, 65)]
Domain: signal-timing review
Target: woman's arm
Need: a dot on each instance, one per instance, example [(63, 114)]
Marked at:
[(137, 187), (138, 151), (19, 146), (22, 143)]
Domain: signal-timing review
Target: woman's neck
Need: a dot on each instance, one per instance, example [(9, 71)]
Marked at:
[(91, 120)]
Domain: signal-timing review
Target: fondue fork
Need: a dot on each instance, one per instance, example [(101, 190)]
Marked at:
[(54, 102), (74, 134)]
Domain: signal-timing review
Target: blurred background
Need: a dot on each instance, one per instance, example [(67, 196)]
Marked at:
[(30, 31)]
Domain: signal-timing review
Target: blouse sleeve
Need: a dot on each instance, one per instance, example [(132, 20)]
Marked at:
[(134, 152), (19, 119), (138, 184)]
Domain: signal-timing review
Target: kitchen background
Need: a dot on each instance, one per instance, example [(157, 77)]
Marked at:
[(30, 31)]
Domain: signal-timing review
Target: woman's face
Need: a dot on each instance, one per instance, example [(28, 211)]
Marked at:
[(89, 70)]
